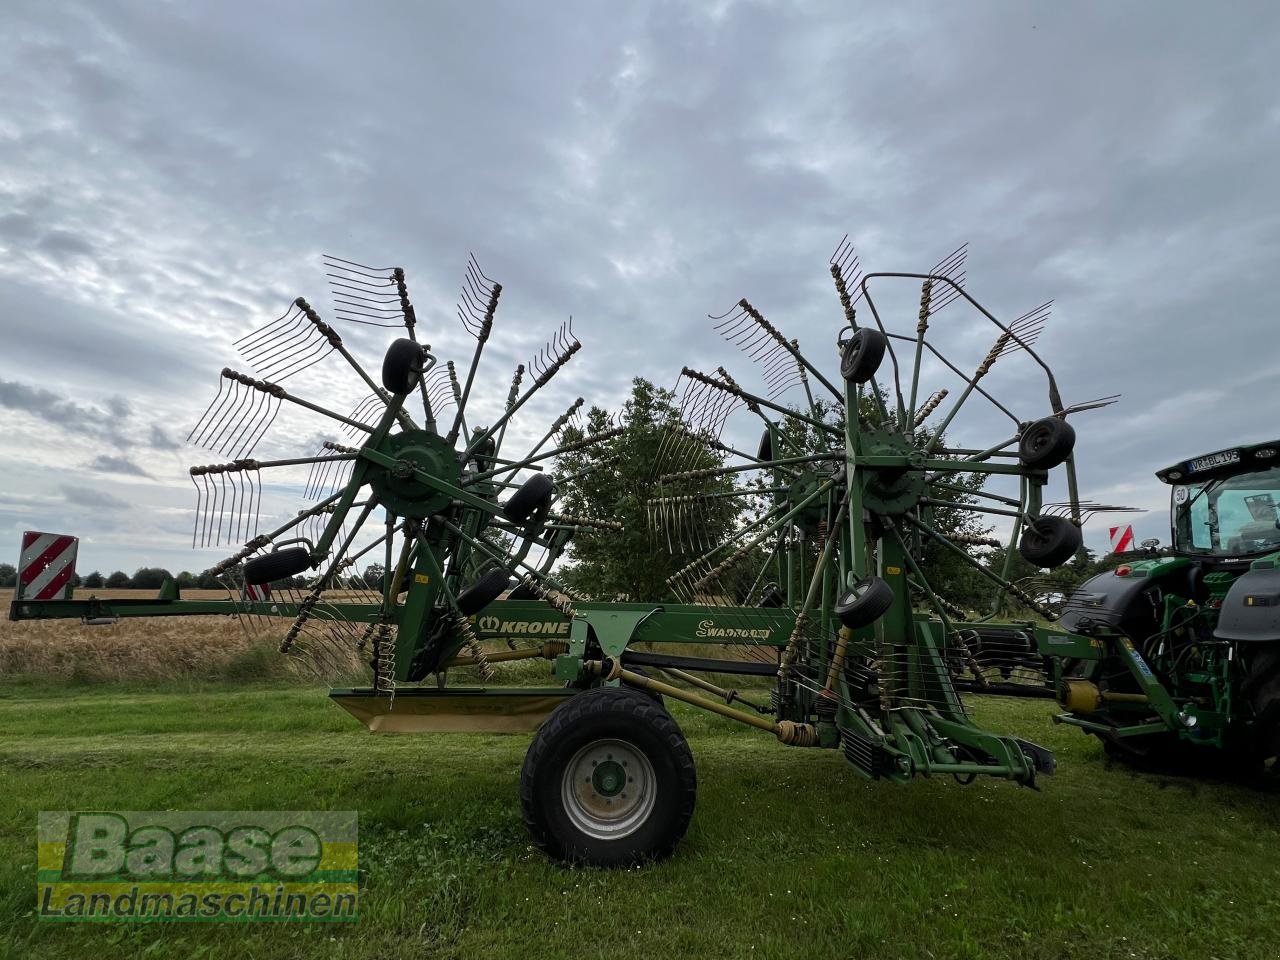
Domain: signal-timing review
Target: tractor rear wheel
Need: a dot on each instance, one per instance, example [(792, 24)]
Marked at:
[(608, 780), (1261, 687)]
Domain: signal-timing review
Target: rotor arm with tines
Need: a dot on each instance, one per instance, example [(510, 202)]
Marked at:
[(790, 346)]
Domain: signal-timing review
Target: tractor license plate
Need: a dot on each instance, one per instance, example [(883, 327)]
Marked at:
[(1213, 460)]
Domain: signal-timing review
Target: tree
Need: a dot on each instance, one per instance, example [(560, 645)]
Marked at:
[(186, 579), (616, 479), (93, 581), (8, 575), (374, 574), (149, 578), (118, 580)]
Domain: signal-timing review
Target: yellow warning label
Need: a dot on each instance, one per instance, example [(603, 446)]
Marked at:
[(893, 571), (421, 578)]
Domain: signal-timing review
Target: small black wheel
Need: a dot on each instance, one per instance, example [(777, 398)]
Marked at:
[(608, 780), (1049, 542), (533, 496), (864, 603), (521, 591), (772, 596), (862, 353), (764, 451), (402, 366), (1046, 443), (484, 591), (483, 455), (279, 565)]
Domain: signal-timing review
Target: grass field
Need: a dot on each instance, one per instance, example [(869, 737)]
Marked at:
[(789, 854)]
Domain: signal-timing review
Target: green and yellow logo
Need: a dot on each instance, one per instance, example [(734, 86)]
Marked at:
[(239, 866)]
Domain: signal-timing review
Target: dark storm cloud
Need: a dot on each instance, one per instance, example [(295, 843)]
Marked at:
[(52, 408), (89, 498), (170, 175), (113, 464)]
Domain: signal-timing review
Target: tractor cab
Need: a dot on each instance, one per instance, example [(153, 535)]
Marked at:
[(1226, 505)]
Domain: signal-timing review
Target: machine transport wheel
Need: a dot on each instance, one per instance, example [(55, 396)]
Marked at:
[(1262, 687), (1049, 541), (534, 494), (608, 780), (864, 603), (860, 358), (278, 565), (1046, 443), (402, 366), (484, 591)]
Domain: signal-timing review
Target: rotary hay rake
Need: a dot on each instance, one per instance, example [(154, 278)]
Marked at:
[(823, 592)]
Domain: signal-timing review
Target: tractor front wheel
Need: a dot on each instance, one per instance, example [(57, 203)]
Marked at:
[(608, 780)]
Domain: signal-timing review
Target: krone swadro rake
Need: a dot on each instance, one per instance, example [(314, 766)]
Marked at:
[(826, 591)]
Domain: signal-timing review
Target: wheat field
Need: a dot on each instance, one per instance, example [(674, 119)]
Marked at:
[(144, 649)]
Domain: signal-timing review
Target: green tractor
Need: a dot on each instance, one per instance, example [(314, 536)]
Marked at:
[(1182, 659)]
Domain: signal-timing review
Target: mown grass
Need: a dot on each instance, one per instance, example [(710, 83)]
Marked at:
[(789, 854)]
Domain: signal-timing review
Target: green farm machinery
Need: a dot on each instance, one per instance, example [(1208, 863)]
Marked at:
[(1182, 661), (822, 598)]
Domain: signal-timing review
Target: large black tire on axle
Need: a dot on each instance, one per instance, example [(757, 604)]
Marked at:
[(608, 780), (1261, 686)]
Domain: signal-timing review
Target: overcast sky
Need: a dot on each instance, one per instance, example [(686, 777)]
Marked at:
[(171, 173)]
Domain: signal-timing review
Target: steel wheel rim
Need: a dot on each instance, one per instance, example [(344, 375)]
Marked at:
[(608, 789)]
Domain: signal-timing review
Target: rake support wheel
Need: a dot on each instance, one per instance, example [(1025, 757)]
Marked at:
[(279, 565), (862, 353), (402, 366), (1047, 443), (1049, 542)]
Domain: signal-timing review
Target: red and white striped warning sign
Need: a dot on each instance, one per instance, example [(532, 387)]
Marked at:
[(47, 564), (256, 591), (1122, 538)]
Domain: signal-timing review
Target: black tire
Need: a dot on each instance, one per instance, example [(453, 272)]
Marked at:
[(651, 694), (402, 366), (1261, 686), (1049, 542), (483, 456), (521, 591), (860, 358), (864, 603), (1046, 443), (578, 823), (279, 565), (484, 591), (764, 451), (772, 597), (534, 495)]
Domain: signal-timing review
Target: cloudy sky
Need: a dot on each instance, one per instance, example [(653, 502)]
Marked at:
[(171, 173)]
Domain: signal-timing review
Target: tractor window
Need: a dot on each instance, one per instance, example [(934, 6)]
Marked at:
[(1231, 517)]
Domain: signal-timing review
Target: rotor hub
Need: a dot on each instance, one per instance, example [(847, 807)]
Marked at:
[(400, 485), (892, 490)]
